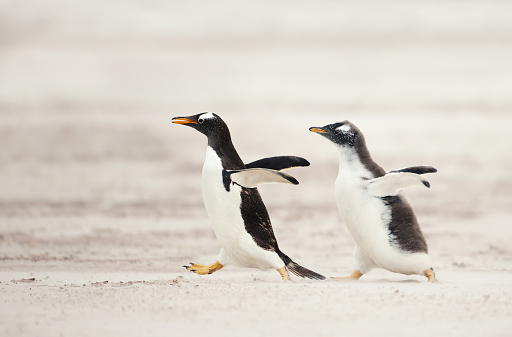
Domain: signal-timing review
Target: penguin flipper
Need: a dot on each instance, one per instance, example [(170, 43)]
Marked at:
[(278, 163), (392, 183), (254, 177), (416, 169)]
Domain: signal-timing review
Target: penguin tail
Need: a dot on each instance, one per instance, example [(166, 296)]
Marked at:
[(299, 270)]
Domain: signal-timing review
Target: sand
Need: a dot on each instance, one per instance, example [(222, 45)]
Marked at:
[(100, 195)]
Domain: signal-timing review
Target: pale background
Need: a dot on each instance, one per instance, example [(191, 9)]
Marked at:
[(97, 185)]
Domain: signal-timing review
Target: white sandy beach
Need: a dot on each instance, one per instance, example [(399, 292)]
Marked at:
[(100, 195)]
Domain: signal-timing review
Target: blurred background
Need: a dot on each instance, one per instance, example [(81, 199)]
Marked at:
[(93, 174)]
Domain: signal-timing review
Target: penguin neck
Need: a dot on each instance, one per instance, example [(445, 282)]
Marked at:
[(226, 151), (358, 161)]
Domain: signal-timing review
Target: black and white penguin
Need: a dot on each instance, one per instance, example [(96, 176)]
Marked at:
[(377, 215), (233, 204)]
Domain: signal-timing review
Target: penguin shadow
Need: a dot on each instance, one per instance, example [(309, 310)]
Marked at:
[(380, 281), (403, 281), (410, 281)]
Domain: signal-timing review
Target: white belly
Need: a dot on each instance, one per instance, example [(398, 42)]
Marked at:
[(223, 209), (365, 216), (367, 220)]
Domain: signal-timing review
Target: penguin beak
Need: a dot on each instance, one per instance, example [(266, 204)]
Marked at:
[(317, 130), (183, 120)]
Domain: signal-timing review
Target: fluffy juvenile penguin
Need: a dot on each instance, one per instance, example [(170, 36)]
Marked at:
[(377, 215), (235, 208)]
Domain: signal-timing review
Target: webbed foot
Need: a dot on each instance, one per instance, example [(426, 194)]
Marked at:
[(204, 269), (354, 276)]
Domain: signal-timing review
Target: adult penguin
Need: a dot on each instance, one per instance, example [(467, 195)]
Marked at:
[(237, 213)]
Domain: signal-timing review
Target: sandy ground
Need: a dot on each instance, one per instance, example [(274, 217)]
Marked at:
[(100, 196)]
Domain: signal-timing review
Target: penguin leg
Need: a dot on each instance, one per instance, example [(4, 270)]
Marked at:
[(283, 272), (429, 273), (356, 275), (203, 269), (363, 264)]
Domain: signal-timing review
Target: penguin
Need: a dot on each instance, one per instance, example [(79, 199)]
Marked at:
[(236, 210), (378, 216)]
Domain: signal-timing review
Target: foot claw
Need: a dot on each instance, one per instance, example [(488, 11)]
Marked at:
[(190, 267)]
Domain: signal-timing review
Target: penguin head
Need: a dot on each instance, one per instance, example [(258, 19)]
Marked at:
[(209, 124), (344, 134)]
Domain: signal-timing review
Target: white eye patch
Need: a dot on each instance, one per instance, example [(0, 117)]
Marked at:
[(344, 127), (207, 115)]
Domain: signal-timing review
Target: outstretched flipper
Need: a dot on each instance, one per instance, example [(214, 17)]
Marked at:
[(252, 178), (392, 183), (416, 169), (278, 163)]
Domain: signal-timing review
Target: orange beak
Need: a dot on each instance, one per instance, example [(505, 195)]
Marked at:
[(181, 120), (317, 130)]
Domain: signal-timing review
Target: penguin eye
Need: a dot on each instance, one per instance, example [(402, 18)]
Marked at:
[(200, 120)]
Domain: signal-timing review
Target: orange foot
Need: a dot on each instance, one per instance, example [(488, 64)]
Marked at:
[(284, 273), (354, 276), (429, 273), (202, 269)]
